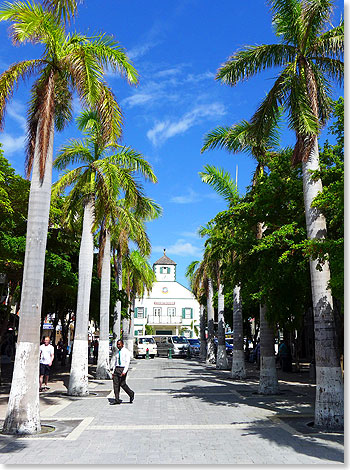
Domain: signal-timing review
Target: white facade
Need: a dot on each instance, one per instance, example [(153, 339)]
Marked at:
[(170, 308)]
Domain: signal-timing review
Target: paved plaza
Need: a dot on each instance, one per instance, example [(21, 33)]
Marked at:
[(184, 412)]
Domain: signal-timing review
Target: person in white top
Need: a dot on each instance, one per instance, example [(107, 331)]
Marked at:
[(120, 371), (47, 354)]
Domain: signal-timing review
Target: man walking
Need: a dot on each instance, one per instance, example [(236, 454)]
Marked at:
[(47, 354), (120, 371)]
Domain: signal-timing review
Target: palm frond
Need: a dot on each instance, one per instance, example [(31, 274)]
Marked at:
[(315, 15), (66, 180), (221, 181), (332, 68), (10, 78), (286, 18), (30, 22), (330, 44), (129, 158), (253, 59), (73, 152), (64, 10)]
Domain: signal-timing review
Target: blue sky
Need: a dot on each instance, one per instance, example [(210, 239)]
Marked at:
[(177, 47)]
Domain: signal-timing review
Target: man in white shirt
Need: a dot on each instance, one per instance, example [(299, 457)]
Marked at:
[(120, 371), (47, 353)]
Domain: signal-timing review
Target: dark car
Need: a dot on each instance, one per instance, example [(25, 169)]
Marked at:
[(195, 346), (229, 346)]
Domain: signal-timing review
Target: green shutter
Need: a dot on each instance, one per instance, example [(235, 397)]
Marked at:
[(192, 313), (146, 312), (183, 313), (135, 313), (168, 270), (136, 332)]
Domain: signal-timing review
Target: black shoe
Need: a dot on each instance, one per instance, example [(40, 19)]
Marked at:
[(132, 398), (116, 402)]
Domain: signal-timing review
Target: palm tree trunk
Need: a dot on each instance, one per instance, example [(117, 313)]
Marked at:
[(117, 309), (78, 380), (130, 340), (268, 375), (102, 370), (210, 315), (329, 406), (221, 356), (203, 348), (22, 415), (238, 370)]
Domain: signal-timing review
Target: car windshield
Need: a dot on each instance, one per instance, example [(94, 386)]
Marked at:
[(194, 342), (146, 341), (229, 341), (180, 339)]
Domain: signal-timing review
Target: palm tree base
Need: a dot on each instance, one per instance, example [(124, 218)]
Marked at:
[(329, 404), (268, 384), (238, 370), (78, 380), (221, 358)]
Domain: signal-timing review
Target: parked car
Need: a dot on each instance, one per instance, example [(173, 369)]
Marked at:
[(229, 346), (142, 343), (178, 344), (194, 346)]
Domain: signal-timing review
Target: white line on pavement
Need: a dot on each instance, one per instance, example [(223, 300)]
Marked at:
[(79, 429), (157, 427), (52, 410)]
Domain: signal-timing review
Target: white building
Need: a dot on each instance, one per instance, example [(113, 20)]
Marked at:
[(170, 308)]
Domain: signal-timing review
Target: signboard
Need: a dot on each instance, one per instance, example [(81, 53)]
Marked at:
[(164, 303)]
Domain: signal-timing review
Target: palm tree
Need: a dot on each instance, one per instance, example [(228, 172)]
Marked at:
[(196, 275), (223, 184), (242, 137), (97, 184), (70, 62), (121, 235), (310, 57), (138, 276)]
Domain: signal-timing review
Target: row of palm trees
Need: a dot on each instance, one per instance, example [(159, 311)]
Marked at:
[(309, 59), (104, 192)]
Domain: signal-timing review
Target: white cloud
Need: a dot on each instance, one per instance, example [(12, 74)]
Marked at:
[(137, 99), (17, 111), (192, 196), (180, 248), (11, 144), (141, 50), (164, 130)]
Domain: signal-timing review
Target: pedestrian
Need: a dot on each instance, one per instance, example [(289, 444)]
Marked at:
[(120, 372), (285, 357), (95, 351), (47, 354)]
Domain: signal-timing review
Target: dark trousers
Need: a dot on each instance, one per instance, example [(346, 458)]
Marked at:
[(119, 380)]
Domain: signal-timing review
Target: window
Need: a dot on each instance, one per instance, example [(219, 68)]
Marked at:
[(157, 311), (187, 313), (140, 312), (171, 311), (138, 332), (164, 270)]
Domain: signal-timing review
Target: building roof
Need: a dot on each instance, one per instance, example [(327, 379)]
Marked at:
[(165, 260)]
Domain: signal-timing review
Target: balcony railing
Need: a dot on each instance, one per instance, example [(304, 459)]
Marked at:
[(164, 320)]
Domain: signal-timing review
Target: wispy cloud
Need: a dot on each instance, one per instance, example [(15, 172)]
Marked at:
[(181, 248), (164, 130), (141, 50), (188, 198), (17, 112), (12, 144)]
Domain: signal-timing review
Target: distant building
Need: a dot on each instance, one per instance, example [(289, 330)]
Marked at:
[(170, 308)]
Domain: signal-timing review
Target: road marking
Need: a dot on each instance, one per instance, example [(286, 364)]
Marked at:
[(52, 410), (158, 427), (79, 429)]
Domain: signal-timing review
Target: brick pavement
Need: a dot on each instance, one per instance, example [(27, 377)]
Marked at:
[(184, 413)]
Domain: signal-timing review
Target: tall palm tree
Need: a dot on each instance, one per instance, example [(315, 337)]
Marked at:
[(221, 181), (242, 137), (121, 235), (96, 185), (138, 276), (196, 275), (70, 63), (310, 57)]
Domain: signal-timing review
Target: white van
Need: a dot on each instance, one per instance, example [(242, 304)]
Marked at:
[(142, 343)]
